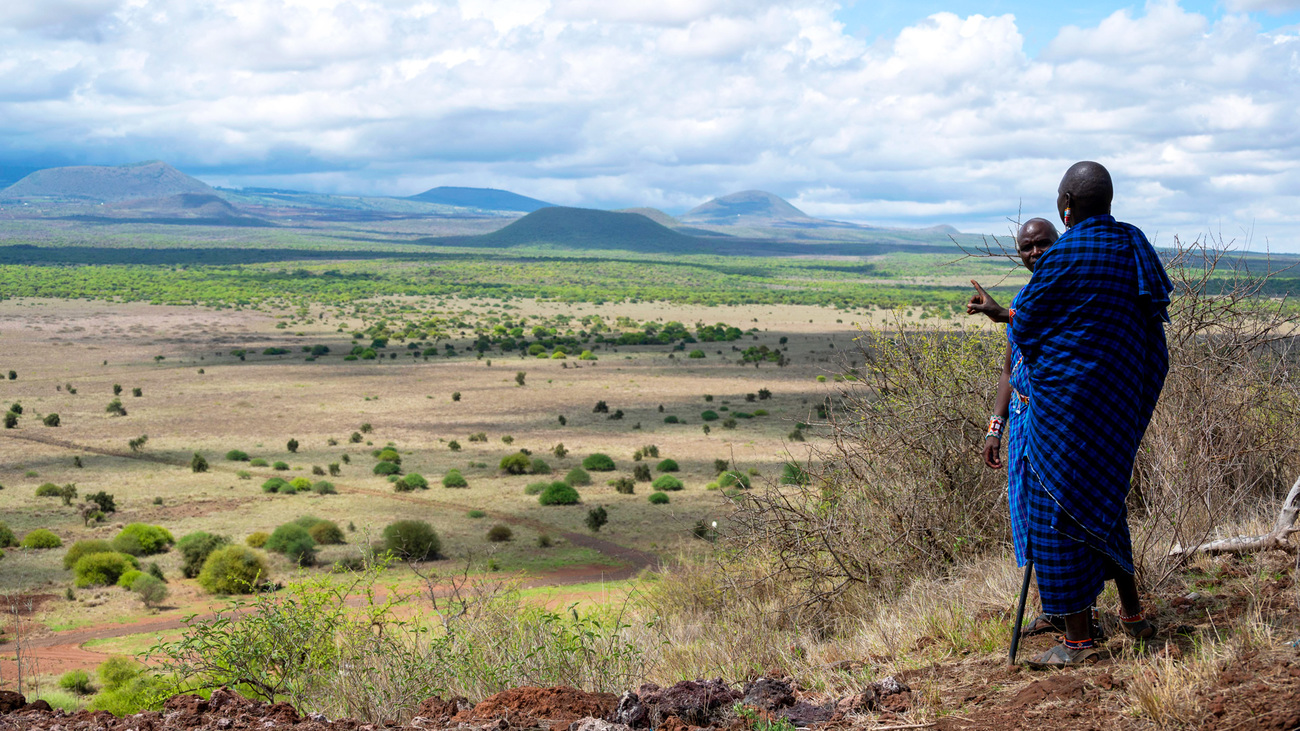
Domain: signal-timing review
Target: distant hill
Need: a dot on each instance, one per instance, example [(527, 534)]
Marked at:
[(101, 184), (488, 199), (654, 214), (586, 228), (746, 208)]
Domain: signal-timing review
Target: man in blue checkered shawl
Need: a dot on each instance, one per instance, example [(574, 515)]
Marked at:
[(1090, 326)]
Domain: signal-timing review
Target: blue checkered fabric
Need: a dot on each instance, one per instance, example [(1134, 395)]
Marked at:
[(1070, 573), (1090, 327), (1017, 413)]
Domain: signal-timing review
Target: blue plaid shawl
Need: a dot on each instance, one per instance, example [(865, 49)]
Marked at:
[(1017, 414), (1090, 326)]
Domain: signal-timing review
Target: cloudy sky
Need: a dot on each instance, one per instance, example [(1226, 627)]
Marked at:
[(900, 112)]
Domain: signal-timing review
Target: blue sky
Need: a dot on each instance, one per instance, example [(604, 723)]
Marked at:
[(889, 113), (1039, 22)]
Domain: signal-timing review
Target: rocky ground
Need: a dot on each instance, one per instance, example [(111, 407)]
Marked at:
[(1253, 692), (686, 705)]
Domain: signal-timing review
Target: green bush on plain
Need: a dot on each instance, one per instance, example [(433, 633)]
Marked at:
[(84, 548), (102, 569), (41, 539), (233, 570), (195, 548), (412, 540), (141, 539), (658, 498), (454, 478), (294, 542), (599, 463), (559, 493), (666, 483)]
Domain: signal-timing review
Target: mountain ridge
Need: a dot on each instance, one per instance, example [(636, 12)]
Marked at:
[(490, 199), (107, 184)]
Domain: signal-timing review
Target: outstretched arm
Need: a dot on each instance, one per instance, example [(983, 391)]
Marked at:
[(992, 444)]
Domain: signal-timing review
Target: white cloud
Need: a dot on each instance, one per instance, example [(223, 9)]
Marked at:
[(668, 103), (1270, 6)]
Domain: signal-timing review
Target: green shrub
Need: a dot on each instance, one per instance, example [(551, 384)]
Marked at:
[(598, 463), (671, 419), (578, 477), (7, 537), (734, 479), (281, 466), (641, 473), (709, 415), (257, 462), (539, 467), (126, 688), (323, 487), (275, 484), (500, 533), (49, 489), (476, 514), (559, 493), (51, 420), (195, 549), (128, 577), (76, 681), (596, 517), (233, 570), (84, 548), (387, 468), (658, 498), (454, 478), (453, 445), (536, 488), (389, 454), (413, 540), (623, 485), (292, 446), (300, 484), (695, 354), (41, 539), (667, 483), (102, 569), (793, 474), (140, 539), (515, 464), (151, 590), (416, 481), (326, 533), (11, 420), (235, 455), (294, 542), (760, 412), (667, 465), (256, 539)]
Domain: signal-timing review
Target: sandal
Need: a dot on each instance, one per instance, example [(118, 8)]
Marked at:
[(1062, 657), (1143, 629), (1043, 624)]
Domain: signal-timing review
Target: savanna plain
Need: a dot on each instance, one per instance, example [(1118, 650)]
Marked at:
[(621, 472)]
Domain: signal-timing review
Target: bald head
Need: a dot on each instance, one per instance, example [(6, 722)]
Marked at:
[(1086, 190), (1032, 240)]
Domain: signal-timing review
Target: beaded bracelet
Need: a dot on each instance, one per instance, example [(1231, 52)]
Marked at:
[(996, 425)]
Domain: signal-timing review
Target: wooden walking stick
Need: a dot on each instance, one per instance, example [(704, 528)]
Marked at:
[(1020, 612)]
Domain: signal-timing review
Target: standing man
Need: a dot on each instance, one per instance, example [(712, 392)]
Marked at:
[(1090, 327)]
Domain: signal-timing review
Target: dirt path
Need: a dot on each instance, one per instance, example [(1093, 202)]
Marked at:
[(62, 651)]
